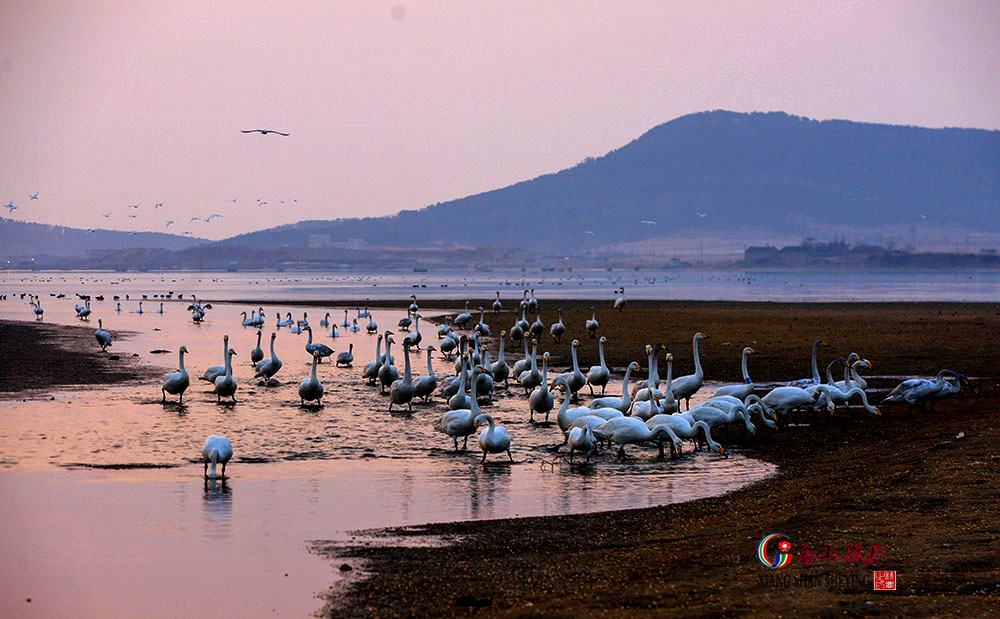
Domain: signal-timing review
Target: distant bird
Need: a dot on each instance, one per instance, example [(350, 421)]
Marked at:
[(194, 219), (923, 216), (263, 203), (33, 196), (212, 216), (108, 214), (10, 206), (263, 131), (590, 232), (168, 223), (133, 232), (701, 215), (136, 205), (158, 205), (188, 233), (648, 222), (234, 199), (132, 216), (91, 230)]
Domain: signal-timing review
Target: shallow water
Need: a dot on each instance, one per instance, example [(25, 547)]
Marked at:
[(299, 474), (700, 284)]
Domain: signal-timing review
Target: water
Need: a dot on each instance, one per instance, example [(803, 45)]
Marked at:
[(83, 539), (706, 285)]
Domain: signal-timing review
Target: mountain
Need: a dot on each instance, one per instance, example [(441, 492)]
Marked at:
[(747, 174), (20, 238)]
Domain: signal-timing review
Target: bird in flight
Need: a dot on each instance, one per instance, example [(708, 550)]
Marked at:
[(234, 199), (701, 215), (91, 230), (212, 216), (648, 222), (133, 232), (263, 131), (158, 205), (168, 223), (108, 214), (188, 233), (131, 216), (923, 216), (193, 219), (136, 205), (33, 196), (10, 206)]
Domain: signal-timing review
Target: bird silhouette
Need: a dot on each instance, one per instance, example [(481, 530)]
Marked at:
[(194, 219), (136, 205), (33, 196), (168, 223), (108, 214), (131, 216), (649, 222), (701, 215), (10, 206), (263, 131), (158, 205)]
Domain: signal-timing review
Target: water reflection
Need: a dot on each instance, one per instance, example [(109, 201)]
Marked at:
[(217, 504)]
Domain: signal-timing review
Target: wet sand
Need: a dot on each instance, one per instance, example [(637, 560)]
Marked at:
[(42, 355), (923, 487)]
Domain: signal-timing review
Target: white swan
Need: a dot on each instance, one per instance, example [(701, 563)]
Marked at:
[(460, 422), (581, 439), (485, 380), (566, 415), (216, 371), (267, 368), (740, 391), (257, 354), (346, 358), (575, 378), (717, 417), (160, 311), (413, 339), (462, 319), (786, 399), (558, 328), (500, 369), (457, 400), (103, 337), (414, 308), (592, 324), (599, 375), (815, 380), (686, 386), (325, 322), (354, 325), (311, 389), (537, 328), (401, 390), (623, 403), (620, 301), (372, 326), (630, 430), (225, 385), (541, 399), (917, 391), (493, 440), (524, 362), (481, 327), (217, 450), (852, 377), (531, 377), (387, 374), (497, 305), (317, 349), (347, 323), (425, 385), (683, 428), (175, 383), (38, 309), (370, 370), (532, 303)]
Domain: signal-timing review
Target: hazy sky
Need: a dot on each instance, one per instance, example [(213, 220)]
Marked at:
[(396, 105)]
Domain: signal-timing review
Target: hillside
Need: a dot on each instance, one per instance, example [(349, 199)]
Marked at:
[(764, 173), (20, 238)]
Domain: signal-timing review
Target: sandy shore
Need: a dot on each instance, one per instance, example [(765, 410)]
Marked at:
[(923, 488), (39, 355)]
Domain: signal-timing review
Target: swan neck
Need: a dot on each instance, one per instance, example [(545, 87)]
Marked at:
[(600, 353), (180, 361), (746, 375), (697, 360)]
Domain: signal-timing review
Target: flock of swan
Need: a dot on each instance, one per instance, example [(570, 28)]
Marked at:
[(648, 411)]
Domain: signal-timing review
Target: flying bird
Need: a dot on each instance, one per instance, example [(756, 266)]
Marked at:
[(649, 222), (136, 205), (590, 232), (701, 215), (188, 233), (212, 216), (168, 223), (923, 217), (194, 219), (263, 131), (33, 196), (158, 205), (10, 206), (91, 230), (108, 214), (234, 199), (132, 216), (133, 232)]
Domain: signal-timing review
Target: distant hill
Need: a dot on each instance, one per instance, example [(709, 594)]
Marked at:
[(761, 172), (21, 238)]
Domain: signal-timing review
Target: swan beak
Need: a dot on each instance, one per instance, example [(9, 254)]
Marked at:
[(871, 366), (878, 412), (753, 352), (233, 352), (722, 450), (753, 432)]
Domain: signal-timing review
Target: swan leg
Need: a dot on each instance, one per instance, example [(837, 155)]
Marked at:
[(659, 444), (206, 470), (164, 396), (180, 398), (483, 461), (465, 443), (455, 439), (223, 470), (621, 452), (510, 456), (603, 387)]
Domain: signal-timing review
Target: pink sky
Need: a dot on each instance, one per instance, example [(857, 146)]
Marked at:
[(396, 105)]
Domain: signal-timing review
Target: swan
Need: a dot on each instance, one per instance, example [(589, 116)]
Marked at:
[(354, 325), (401, 390), (370, 370), (500, 369), (445, 328), (217, 450), (497, 305), (558, 328), (575, 379), (321, 349), (717, 417), (786, 399), (257, 354), (287, 322), (247, 321), (160, 311), (481, 328), (537, 328), (834, 395), (462, 319), (532, 303), (727, 403), (225, 385), (387, 374), (425, 385), (485, 380), (620, 301), (815, 380), (333, 331), (915, 391), (541, 399), (524, 363), (683, 428), (345, 359), (310, 388), (325, 322), (950, 388), (118, 307), (372, 326), (599, 375), (449, 343), (461, 422), (259, 321), (414, 308), (523, 323), (566, 415), (581, 439), (851, 376), (454, 390), (686, 386), (493, 440), (643, 389), (531, 377), (39, 311), (623, 403), (463, 346), (103, 337), (83, 312), (592, 324), (175, 383), (631, 430), (413, 339), (138, 311), (216, 371), (523, 303), (296, 328), (740, 391), (347, 323), (267, 368)]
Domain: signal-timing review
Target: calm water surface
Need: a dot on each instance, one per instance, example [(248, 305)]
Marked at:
[(83, 539)]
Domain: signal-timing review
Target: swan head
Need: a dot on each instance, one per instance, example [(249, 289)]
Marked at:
[(869, 364), (749, 351), (603, 340), (183, 349), (273, 336), (669, 357), (225, 338), (576, 343), (503, 334), (649, 349), (722, 450), (633, 366), (546, 356), (701, 336)]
